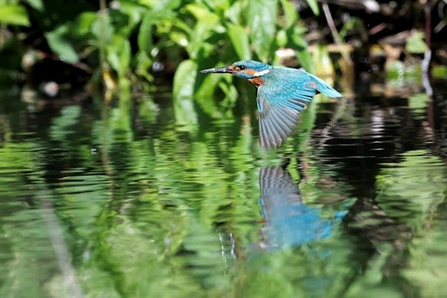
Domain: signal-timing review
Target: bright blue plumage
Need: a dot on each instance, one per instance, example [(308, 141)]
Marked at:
[(282, 94)]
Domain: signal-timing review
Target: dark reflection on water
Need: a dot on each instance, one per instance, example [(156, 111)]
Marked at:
[(150, 198)]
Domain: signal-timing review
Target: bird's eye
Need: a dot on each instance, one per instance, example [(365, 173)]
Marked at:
[(241, 67)]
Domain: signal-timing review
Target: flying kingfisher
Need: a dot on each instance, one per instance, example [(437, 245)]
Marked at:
[(282, 93)]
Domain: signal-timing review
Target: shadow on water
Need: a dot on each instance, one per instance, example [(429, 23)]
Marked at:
[(149, 197)]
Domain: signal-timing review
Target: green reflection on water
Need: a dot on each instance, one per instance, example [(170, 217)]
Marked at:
[(166, 203)]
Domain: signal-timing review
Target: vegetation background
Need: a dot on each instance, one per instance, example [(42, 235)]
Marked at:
[(143, 42)]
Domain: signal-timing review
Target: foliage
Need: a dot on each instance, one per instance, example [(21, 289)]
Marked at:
[(132, 36), (416, 43)]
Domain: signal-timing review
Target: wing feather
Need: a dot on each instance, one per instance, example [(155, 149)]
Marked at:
[(276, 123)]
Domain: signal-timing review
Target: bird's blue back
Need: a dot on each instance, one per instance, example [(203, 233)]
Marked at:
[(282, 83)]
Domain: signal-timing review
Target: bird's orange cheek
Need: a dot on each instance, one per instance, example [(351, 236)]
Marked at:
[(250, 72)]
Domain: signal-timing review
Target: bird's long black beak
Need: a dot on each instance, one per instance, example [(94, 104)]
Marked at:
[(225, 69)]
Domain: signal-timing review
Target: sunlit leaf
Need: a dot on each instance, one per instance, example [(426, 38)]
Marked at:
[(83, 23), (133, 13), (322, 62), (184, 79), (314, 6), (14, 15), (281, 38), (439, 71), (102, 29), (203, 29), (239, 39), (305, 59), (167, 5), (416, 44), (261, 19), (145, 33), (62, 45), (234, 12), (179, 38), (36, 4), (394, 69), (118, 54), (201, 12), (290, 13)]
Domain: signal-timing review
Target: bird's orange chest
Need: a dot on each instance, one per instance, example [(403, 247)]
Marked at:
[(257, 82)]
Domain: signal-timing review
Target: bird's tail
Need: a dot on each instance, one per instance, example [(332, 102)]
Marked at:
[(324, 88)]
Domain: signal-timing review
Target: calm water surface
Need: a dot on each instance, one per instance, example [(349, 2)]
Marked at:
[(154, 198)]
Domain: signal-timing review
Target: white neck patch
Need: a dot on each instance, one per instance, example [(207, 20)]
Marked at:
[(261, 73)]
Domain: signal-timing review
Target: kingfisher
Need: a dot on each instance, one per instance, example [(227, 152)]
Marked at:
[(281, 94)]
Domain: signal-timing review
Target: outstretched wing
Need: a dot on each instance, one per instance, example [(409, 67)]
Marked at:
[(279, 104), (277, 121)]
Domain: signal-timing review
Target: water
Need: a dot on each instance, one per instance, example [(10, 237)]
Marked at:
[(150, 198)]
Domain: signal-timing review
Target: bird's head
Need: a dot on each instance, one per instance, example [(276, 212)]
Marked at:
[(247, 69)]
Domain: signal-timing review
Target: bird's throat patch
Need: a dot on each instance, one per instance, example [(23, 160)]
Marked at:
[(257, 82)]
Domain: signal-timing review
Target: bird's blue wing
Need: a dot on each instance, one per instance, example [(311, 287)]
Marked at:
[(280, 101), (277, 121)]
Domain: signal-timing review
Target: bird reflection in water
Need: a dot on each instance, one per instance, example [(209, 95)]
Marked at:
[(288, 221)]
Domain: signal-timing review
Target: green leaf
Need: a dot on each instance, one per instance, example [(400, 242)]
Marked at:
[(301, 46), (36, 4), (290, 13), (281, 38), (118, 54), (314, 6), (14, 15), (83, 23), (261, 18), (201, 12), (206, 26), (102, 29), (184, 79), (202, 30), (234, 12), (239, 39), (395, 69), (305, 60), (439, 71), (61, 45), (322, 62), (416, 44), (145, 33)]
